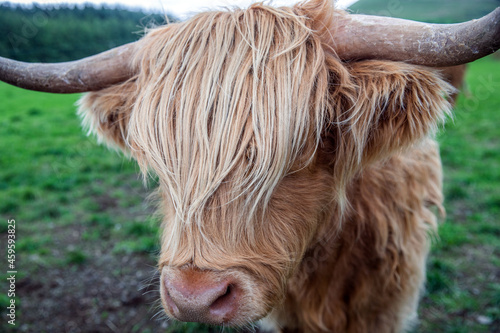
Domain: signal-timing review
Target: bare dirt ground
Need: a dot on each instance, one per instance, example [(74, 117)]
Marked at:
[(109, 293)]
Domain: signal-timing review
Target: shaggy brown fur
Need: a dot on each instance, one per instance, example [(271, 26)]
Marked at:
[(306, 179), (455, 75), (367, 277)]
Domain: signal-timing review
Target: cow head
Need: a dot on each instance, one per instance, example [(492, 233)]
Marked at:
[(254, 123)]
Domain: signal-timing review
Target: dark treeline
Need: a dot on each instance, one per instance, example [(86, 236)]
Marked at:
[(62, 33)]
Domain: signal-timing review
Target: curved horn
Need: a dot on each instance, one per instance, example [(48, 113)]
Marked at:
[(88, 74), (374, 37)]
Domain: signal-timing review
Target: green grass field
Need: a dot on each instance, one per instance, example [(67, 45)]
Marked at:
[(80, 214), (464, 268)]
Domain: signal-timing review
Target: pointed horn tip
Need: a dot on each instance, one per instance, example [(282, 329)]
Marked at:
[(488, 32), (88, 74), (357, 37), (495, 15)]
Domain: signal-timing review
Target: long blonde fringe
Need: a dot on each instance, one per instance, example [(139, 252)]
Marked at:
[(212, 109)]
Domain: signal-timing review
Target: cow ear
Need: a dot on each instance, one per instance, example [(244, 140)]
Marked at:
[(106, 113), (384, 107)]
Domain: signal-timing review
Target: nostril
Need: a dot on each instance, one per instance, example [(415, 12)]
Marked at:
[(222, 299), (201, 297), (224, 306), (170, 302)]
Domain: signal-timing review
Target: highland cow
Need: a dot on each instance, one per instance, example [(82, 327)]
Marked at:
[(294, 153)]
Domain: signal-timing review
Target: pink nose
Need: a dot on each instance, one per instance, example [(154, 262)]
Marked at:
[(198, 296)]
